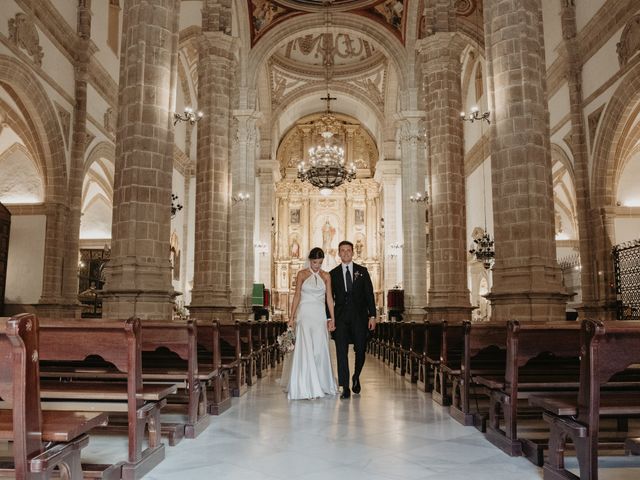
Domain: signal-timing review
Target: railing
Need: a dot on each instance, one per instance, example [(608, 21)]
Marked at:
[(626, 259)]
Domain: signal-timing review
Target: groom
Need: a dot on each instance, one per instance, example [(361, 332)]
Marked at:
[(355, 312)]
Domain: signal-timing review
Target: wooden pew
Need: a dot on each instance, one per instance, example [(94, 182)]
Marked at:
[(181, 339), (606, 348), (119, 343), (451, 351), (529, 372), (431, 358), (43, 442), (231, 349), (415, 357), (484, 353), (210, 360), (247, 355)]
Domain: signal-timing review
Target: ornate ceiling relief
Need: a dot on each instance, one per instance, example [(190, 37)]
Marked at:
[(373, 85), (265, 14), (24, 34), (283, 83), (327, 49), (358, 145), (629, 43)]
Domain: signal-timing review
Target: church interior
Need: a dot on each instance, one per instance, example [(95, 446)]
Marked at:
[(167, 165)]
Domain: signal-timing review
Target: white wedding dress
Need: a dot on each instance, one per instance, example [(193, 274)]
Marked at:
[(311, 370)]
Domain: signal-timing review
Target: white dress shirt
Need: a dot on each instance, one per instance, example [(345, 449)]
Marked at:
[(344, 274)]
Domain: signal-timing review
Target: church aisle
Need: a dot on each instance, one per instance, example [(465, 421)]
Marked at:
[(391, 431)]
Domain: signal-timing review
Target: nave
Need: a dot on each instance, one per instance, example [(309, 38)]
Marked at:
[(391, 431)]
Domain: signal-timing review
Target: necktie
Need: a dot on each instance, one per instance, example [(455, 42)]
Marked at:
[(347, 276)]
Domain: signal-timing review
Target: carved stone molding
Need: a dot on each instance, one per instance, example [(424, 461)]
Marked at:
[(629, 43), (23, 33), (65, 122), (592, 123), (109, 120)]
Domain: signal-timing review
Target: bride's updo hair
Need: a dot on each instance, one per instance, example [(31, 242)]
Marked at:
[(316, 253)]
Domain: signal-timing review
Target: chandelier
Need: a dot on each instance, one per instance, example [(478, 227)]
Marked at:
[(326, 168), (482, 249)]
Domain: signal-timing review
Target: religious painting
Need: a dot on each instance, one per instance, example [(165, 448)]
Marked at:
[(264, 14), (391, 13), (294, 216), (359, 216)]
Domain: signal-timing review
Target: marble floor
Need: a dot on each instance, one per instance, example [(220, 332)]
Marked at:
[(390, 431)]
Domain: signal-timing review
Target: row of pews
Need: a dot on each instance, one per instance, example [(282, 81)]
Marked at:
[(536, 390), (64, 380)]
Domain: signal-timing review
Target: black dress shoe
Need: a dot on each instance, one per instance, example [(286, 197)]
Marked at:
[(356, 385), (346, 393)]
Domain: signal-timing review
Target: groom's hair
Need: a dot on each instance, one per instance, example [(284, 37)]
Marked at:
[(345, 242), (316, 253)]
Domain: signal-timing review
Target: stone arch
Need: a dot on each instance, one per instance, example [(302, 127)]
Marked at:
[(104, 150), (290, 29), (611, 138), (44, 122)]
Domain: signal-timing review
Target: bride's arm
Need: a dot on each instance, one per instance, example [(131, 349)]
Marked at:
[(332, 322), (296, 300)]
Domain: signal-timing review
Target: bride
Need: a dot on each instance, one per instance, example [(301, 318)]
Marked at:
[(311, 371)]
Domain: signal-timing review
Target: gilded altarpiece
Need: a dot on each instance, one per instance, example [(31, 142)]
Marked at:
[(306, 219)]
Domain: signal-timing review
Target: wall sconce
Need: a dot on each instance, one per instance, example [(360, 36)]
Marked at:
[(188, 116), (396, 249), (475, 115), (261, 248), (175, 206), (419, 197), (240, 197)]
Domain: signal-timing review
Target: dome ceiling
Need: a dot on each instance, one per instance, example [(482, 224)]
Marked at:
[(265, 14)]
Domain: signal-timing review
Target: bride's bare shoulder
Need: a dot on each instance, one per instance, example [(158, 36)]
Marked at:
[(326, 276)]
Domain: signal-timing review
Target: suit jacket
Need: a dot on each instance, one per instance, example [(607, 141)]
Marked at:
[(357, 307)]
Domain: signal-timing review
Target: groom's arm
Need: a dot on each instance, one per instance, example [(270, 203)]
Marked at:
[(371, 299)]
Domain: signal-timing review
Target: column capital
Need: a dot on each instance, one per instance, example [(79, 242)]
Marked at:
[(388, 170)]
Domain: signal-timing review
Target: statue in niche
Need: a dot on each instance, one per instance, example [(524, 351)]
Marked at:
[(358, 247), (328, 232), (295, 248), (359, 216)]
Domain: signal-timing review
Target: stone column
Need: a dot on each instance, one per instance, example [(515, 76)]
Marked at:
[(526, 277), (139, 272), (69, 306), (266, 230), (571, 53), (441, 73), (388, 176), (305, 219), (371, 220), (216, 71), (243, 213), (414, 254)]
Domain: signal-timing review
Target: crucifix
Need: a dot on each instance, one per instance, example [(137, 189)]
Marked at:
[(328, 99)]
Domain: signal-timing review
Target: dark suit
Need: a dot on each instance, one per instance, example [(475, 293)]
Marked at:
[(352, 311)]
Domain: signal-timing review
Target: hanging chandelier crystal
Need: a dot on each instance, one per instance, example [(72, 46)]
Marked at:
[(326, 168), (482, 249)]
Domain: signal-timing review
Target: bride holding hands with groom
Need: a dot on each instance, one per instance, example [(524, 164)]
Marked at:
[(341, 302)]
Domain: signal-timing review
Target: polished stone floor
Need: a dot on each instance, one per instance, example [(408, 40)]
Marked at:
[(390, 431)]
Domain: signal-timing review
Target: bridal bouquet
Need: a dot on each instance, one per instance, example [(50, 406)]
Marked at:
[(286, 341)]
